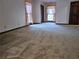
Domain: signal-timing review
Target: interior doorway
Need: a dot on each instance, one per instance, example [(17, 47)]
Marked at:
[(42, 13), (51, 13), (29, 13), (74, 13)]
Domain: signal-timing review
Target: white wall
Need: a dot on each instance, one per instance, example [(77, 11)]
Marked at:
[(13, 14), (1, 16), (62, 11), (36, 11)]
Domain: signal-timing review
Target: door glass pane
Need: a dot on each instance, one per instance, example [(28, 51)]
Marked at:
[(51, 13)]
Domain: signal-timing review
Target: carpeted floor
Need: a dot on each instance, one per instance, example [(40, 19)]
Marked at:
[(41, 41)]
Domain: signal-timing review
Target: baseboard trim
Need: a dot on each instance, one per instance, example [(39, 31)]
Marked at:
[(62, 24), (49, 21), (13, 29), (36, 23)]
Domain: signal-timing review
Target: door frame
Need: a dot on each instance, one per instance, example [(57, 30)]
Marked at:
[(70, 11), (42, 20)]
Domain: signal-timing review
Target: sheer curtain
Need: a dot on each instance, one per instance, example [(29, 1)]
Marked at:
[(29, 13)]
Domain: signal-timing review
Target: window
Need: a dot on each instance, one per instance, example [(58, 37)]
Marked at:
[(29, 12), (51, 13)]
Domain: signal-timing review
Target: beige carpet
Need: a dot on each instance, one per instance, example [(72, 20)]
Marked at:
[(41, 41)]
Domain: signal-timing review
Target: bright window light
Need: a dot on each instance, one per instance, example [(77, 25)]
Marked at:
[(51, 13)]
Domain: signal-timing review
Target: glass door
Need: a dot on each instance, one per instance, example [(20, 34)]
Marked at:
[(51, 13)]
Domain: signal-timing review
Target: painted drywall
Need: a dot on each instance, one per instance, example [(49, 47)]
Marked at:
[(36, 11), (62, 11), (13, 14), (1, 16)]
